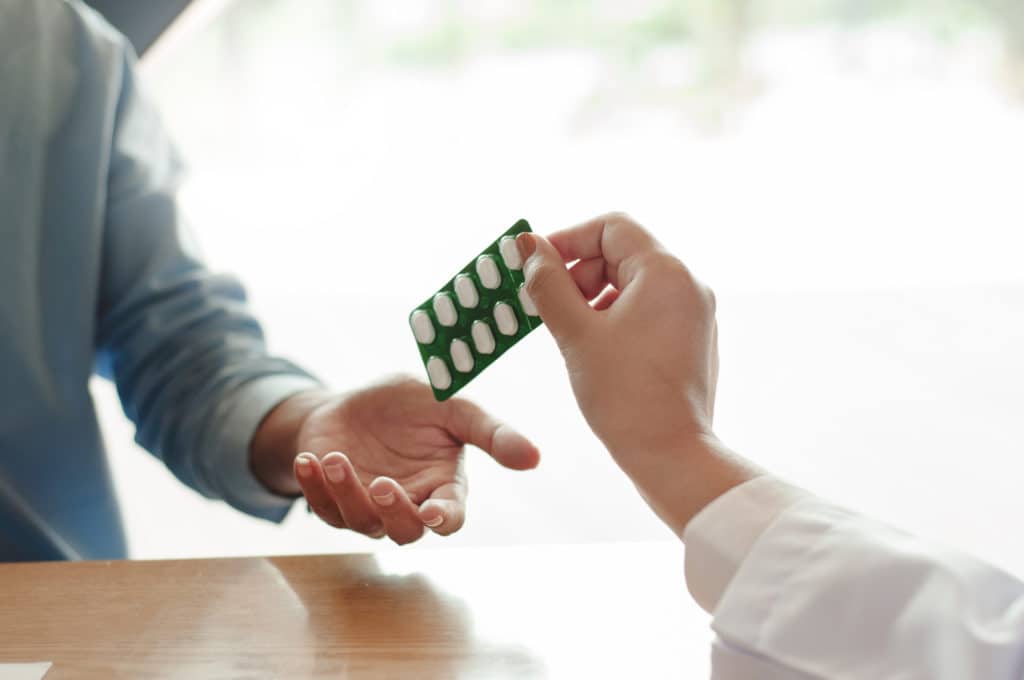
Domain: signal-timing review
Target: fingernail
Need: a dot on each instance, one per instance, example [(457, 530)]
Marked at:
[(335, 472), (526, 244), (385, 499), (436, 522), (304, 465)]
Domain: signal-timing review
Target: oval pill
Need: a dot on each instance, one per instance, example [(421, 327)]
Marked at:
[(466, 291), (437, 370), (527, 302), (461, 356), (487, 270), (506, 319), (483, 338), (444, 308), (510, 253), (422, 327)]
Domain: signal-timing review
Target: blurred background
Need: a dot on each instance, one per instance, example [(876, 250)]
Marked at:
[(845, 174)]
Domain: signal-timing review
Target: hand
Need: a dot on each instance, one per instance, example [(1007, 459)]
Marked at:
[(638, 334), (388, 459), (643, 360)]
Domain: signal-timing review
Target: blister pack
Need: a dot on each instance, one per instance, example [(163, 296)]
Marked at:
[(475, 317)]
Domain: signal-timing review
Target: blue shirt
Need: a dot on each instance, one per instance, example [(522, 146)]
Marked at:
[(97, 275)]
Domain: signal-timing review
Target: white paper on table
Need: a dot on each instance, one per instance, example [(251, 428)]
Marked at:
[(24, 671)]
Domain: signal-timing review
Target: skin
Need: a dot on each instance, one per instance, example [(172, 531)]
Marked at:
[(640, 341), (386, 460)]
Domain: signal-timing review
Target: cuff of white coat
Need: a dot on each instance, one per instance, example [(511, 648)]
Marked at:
[(250, 405), (721, 535)]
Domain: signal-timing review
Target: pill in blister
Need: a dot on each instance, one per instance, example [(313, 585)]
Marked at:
[(506, 319), (461, 356), (510, 253), (483, 338), (438, 373), (487, 270), (474, 318), (444, 308), (527, 302), (422, 327), (465, 290)]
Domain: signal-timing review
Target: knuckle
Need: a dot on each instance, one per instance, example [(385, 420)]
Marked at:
[(662, 263), (665, 264), (620, 217), (626, 225)]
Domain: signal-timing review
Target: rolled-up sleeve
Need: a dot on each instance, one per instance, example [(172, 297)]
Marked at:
[(187, 355)]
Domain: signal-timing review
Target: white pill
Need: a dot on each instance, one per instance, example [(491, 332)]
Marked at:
[(483, 339), (487, 270), (461, 356), (510, 253), (437, 370), (506, 319), (465, 290), (422, 327), (444, 308), (527, 302)]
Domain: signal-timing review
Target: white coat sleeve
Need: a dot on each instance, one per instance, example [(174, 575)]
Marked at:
[(800, 588)]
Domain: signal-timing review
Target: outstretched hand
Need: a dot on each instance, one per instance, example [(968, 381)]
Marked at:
[(388, 459)]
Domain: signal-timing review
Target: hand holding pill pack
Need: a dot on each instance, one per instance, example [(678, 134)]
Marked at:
[(475, 317)]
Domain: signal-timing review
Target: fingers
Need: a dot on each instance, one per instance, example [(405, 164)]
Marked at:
[(589, 276), (445, 511), (401, 517), (314, 487), (335, 494), (605, 300), (348, 494), (615, 237), (552, 288), (469, 423)]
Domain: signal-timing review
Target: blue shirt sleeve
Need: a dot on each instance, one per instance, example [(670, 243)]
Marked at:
[(187, 355)]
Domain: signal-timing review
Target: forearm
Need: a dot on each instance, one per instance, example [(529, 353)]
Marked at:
[(679, 484), (188, 356), (274, 445)]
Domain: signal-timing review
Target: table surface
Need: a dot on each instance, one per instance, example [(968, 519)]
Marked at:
[(617, 610)]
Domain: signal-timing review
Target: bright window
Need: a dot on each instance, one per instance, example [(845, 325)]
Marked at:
[(846, 175)]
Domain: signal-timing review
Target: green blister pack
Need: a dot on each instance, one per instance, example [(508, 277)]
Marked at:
[(475, 317)]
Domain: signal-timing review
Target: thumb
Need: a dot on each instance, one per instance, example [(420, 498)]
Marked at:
[(559, 301)]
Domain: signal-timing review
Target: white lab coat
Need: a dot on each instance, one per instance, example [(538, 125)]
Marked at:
[(800, 588)]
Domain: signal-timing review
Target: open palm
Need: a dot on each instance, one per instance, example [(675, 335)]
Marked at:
[(388, 459)]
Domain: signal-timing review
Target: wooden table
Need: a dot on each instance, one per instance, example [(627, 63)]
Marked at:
[(615, 611)]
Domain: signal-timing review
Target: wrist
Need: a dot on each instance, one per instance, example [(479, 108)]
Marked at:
[(275, 443), (681, 478)]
